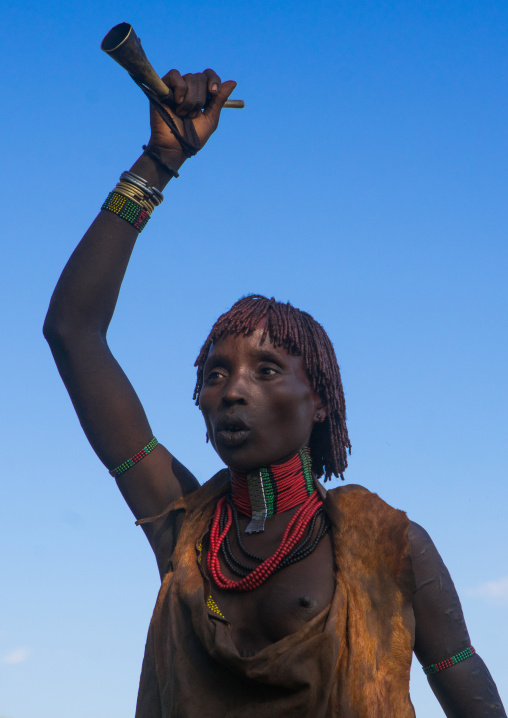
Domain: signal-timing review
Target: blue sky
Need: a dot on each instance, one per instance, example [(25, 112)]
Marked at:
[(366, 182)]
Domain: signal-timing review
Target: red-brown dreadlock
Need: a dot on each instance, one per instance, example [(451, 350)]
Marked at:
[(300, 335)]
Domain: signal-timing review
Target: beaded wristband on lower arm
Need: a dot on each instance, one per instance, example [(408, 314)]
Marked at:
[(133, 199), (449, 662), (127, 209), (126, 465)]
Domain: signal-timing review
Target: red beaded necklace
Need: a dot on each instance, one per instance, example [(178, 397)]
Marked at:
[(272, 489), (277, 488)]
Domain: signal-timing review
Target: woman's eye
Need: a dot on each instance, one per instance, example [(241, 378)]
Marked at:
[(212, 377), (268, 371)]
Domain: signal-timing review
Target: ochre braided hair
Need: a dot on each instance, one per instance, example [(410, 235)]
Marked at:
[(300, 335)]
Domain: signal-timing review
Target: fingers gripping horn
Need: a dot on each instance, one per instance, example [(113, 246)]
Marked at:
[(123, 45)]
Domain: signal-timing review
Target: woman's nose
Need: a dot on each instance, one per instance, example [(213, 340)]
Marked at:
[(236, 389)]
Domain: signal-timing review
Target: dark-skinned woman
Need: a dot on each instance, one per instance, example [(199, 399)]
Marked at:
[(277, 597)]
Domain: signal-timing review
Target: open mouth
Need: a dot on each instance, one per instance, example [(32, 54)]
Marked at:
[(231, 432)]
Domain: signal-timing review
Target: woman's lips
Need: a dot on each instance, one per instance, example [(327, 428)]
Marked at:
[(230, 437)]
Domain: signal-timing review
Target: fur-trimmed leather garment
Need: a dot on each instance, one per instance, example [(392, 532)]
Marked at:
[(352, 660)]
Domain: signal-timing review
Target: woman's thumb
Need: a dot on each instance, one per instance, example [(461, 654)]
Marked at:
[(216, 103)]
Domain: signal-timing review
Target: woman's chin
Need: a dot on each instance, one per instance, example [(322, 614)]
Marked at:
[(244, 459)]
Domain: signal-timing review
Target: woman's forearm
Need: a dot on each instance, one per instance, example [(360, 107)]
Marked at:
[(85, 296), (467, 689), (87, 291)]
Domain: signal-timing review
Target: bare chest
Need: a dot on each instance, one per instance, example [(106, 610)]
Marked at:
[(285, 601)]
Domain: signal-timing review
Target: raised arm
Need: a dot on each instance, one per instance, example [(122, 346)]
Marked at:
[(466, 689), (84, 301)]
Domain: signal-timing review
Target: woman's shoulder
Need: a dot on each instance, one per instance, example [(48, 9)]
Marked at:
[(355, 497), (368, 526)]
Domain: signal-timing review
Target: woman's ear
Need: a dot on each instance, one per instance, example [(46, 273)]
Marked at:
[(320, 414)]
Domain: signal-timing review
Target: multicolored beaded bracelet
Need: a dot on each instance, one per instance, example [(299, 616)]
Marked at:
[(127, 209), (449, 662), (134, 459)]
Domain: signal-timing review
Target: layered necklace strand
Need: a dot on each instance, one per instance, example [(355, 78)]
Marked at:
[(272, 489), (260, 495)]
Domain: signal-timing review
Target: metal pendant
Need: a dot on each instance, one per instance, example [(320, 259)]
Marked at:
[(257, 502)]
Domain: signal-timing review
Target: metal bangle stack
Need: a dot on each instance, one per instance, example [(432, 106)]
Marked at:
[(139, 191)]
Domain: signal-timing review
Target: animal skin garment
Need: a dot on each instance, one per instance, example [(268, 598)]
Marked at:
[(351, 660)]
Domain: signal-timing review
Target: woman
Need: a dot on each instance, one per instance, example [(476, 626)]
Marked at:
[(277, 597)]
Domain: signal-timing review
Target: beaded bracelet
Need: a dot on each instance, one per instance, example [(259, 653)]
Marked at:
[(126, 465), (449, 662), (127, 209)]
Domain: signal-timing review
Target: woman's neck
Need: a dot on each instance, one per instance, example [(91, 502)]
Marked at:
[(270, 490)]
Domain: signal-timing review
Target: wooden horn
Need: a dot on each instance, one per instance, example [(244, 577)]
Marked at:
[(124, 46)]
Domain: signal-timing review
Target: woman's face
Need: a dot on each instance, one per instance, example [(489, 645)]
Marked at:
[(258, 405)]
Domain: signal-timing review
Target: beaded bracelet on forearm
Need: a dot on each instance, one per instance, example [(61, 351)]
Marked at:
[(126, 465), (133, 199), (449, 662), (127, 209)]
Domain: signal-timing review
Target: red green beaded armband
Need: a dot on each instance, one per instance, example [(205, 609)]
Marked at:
[(127, 209), (449, 662), (134, 459)]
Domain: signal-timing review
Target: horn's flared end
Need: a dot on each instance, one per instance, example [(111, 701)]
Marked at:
[(115, 37), (124, 46)]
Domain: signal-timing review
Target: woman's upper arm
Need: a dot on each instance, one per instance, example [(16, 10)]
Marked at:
[(466, 689), (115, 423), (440, 626)]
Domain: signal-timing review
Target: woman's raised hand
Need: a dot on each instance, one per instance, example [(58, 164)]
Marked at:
[(199, 97)]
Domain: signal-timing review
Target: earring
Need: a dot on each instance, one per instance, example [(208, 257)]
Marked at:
[(320, 418)]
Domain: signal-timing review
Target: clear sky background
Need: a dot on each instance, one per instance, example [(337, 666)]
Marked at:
[(365, 181)]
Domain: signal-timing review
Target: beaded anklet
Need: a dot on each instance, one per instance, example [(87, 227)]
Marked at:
[(449, 662), (127, 209), (126, 465)]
